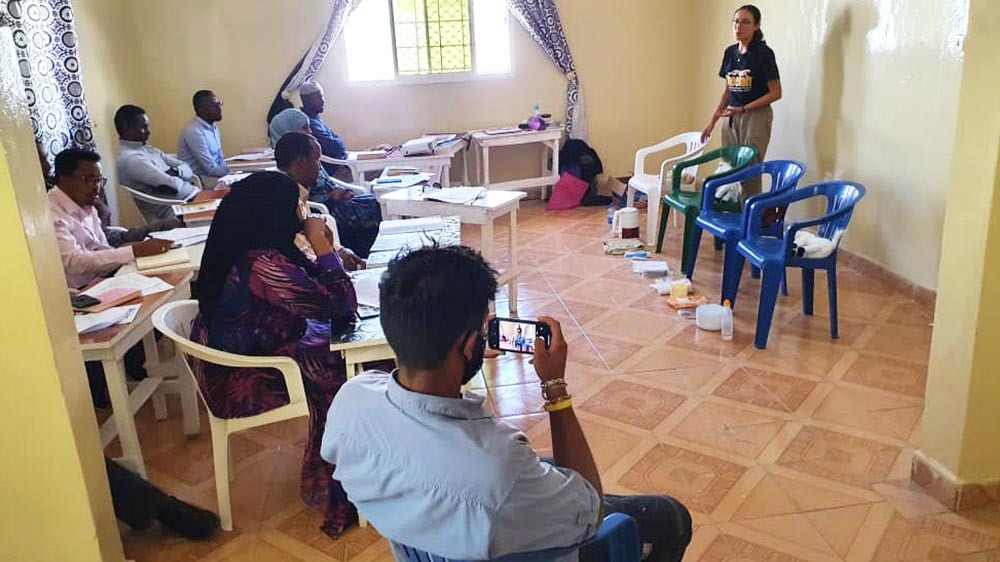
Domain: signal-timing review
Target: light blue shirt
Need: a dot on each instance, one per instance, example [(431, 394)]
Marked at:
[(145, 167), (442, 475), (200, 147)]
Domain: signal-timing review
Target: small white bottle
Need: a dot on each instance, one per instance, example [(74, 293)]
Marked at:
[(727, 321), (537, 111)]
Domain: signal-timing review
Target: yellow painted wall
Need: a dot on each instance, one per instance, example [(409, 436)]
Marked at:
[(960, 428), (871, 95), (108, 63), (632, 73), (54, 500)]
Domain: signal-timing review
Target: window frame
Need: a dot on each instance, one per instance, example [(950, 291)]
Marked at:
[(440, 77)]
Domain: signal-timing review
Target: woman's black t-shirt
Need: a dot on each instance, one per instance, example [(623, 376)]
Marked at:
[(747, 74)]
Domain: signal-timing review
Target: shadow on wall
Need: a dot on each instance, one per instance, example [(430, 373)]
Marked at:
[(842, 69)]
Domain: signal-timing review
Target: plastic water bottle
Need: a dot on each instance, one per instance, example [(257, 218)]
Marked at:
[(727, 320), (537, 111), (611, 215)]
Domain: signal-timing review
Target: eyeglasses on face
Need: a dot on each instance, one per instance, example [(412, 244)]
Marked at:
[(94, 181), (743, 22)]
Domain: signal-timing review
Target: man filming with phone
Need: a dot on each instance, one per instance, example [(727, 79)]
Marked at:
[(433, 470)]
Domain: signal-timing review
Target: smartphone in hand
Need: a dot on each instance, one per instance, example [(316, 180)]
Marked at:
[(517, 335)]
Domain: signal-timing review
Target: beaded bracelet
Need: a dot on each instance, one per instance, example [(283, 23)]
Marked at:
[(557, 406)]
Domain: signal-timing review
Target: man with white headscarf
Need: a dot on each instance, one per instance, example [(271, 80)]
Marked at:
[(313, 104)]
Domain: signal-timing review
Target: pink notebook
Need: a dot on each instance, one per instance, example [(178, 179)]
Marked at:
[(113, 297)]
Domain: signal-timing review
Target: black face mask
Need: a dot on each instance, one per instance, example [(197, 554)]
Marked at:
[(476, 361)]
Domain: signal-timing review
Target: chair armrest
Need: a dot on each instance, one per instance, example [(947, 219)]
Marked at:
[(621, 533), (679, 168), (318, 208), (116, 228), (288, 368), (673, 161)]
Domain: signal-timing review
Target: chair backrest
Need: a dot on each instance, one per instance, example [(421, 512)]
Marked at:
[(738, 157), (692, 147), (174, 321), (841, 197), (141, 196), (618, 538), (785, 175)]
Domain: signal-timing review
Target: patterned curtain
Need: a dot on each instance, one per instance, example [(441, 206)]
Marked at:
[(46, 42), (313, 60), (541, 19)]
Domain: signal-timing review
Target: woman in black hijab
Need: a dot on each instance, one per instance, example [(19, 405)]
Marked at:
[(260, 295)]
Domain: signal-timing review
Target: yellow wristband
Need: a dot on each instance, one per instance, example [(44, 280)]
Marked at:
[(560, 405)]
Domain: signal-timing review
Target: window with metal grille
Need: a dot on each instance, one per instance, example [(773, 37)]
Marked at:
[(433, 39)]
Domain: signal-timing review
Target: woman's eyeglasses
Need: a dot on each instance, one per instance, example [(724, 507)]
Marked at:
[(745, 23)]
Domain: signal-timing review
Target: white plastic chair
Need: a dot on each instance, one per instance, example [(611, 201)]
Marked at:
[(152, 199), (652, 185), (351, 165), (174, 321)]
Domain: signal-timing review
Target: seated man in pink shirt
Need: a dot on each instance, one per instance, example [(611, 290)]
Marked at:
[(85, 251)]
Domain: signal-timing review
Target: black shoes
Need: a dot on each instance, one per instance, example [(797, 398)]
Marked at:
[(187, 520)]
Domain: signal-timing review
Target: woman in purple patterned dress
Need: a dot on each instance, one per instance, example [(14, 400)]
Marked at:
[(259, 295)]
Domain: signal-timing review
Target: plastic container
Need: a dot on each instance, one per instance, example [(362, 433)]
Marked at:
[(727, 320)]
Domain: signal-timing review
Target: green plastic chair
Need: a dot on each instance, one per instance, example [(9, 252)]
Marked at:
[(689, 202)]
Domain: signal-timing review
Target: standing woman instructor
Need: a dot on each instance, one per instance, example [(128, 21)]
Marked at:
[(752, 85)]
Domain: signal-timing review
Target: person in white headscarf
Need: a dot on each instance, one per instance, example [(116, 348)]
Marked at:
[(313, 104)]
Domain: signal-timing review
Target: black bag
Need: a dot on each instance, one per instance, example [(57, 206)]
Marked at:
[(581, 160)]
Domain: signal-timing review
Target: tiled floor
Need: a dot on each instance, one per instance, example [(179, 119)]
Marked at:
[(799, 452)]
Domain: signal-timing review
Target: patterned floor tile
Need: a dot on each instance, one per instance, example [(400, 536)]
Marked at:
[(304, 528), (874, 412), (699, 481), (765, 389), (932, 539), (728, 429), (633, 404), (727, 548), (893, 375), (839, 457)]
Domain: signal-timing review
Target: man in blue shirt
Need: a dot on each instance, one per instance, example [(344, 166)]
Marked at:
[(433, 470), (199, 144), (313, 103)]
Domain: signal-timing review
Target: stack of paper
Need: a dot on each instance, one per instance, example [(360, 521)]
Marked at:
[(230, 179), (86, 323), (184, 236), (173, 257), (200, 207), (251, 156), (402, 181), (402, 226), (650, 268), (132, 282), (412, 240), (459, 195)]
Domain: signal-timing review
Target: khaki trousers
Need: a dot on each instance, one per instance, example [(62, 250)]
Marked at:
[(751, 129)]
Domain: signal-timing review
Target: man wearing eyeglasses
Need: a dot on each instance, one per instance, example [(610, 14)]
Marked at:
[(85, 251)]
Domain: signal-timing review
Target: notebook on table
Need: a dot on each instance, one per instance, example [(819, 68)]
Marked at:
[(173, 257)]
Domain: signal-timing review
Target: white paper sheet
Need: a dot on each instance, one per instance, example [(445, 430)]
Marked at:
[(86, 323), (200, 207), (251, 156), (400, 226), (230, 179), (402, 181), (179, 234), (457, 195), (366, 290), (397, 241), (132, 282)]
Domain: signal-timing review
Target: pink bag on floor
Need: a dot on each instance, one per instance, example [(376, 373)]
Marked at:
[(567, 193)]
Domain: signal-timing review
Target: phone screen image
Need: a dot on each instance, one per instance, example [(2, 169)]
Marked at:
[(516, 336)]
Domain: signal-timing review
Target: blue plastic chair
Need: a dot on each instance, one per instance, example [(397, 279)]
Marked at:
[(730, 227), (618, 538), (773, 254)]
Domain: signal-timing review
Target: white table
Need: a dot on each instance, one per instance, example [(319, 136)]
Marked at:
[(109, 347), (437, 163), (495, 204), (549, 139)]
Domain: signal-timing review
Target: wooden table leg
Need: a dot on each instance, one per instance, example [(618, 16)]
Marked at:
[(446, 176), (486, 166), (486, 248), (114, 375), (512, 284), (152, 354)]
